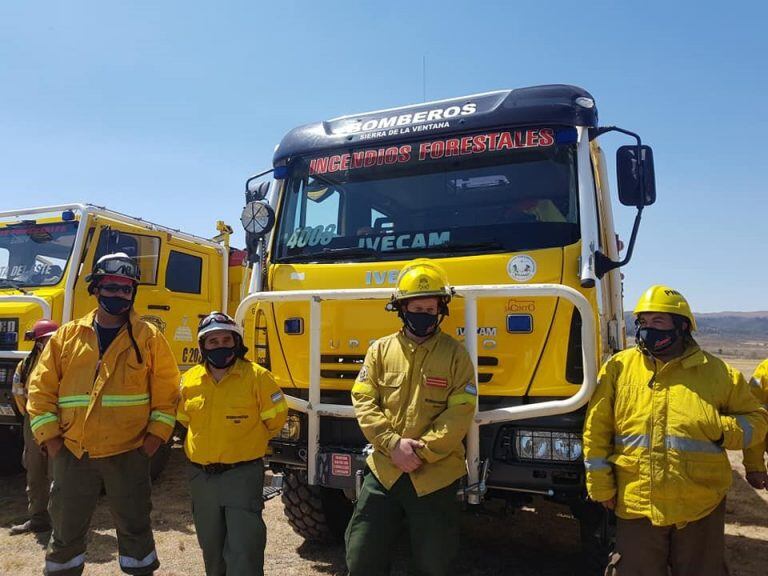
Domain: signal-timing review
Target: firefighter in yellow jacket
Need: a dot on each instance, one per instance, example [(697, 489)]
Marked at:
[(754, 457), (102, 399), (35, 459), (655, 437), (231, 407), (414, 400)]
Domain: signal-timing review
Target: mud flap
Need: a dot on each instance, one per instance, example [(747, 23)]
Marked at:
[(338, 469)]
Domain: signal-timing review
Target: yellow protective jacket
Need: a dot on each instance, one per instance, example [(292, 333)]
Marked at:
[(655, 434), (426, 392), (103, 406), (231, 420), (754, 460)]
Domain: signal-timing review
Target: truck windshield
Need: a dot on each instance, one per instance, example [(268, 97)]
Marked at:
[(491, 192), (35, 254)]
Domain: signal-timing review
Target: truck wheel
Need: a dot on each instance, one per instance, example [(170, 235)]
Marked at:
[(315, 513), (160, 459), (11, 447), (597, 528)]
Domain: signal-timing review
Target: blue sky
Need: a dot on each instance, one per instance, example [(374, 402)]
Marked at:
[(162, 109)]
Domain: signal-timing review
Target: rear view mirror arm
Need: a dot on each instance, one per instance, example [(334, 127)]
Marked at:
[(603, 264)]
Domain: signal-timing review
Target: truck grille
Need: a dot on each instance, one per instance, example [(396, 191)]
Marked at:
[(347, 366)]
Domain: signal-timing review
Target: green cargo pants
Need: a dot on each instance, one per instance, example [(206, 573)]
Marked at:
[(226, 508), (38, 477), (381, 515), (74, 493)]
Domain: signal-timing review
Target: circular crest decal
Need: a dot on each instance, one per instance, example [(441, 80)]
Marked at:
[(521, 268)]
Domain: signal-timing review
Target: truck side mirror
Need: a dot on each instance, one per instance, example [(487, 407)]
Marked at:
[(636, 179), (255, 190)]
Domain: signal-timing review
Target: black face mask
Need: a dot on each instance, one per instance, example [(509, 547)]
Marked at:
[(115, 305), (220, 357), (655, 340), (420, 323)]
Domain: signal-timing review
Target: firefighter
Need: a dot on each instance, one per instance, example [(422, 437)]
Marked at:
[(231, 407), (414, 399), (34, 458), (655, 436), (754, 459), (102, 400)]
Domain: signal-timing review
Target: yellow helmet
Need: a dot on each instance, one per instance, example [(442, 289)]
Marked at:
[(665, 299), (420, 278)]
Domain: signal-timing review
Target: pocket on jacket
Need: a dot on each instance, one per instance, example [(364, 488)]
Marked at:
[(135, 374), (625, 467), (392, 380), (713, 475), (389, 389)]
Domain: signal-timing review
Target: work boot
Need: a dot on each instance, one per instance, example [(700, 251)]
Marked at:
[(33, 526)]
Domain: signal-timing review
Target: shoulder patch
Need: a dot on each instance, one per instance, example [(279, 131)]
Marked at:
[(363, 375), (276, 397), (470, 388)]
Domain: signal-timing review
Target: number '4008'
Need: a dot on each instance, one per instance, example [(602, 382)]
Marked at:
[(311, 236)]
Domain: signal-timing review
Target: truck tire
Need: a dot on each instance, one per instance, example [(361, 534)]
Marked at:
[(315, 513), (11, 448), (159, 459), (597, 528)]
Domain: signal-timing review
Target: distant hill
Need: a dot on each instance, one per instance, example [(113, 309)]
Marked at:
[(726, 326)]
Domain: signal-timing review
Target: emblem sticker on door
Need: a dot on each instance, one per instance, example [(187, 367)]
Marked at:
[(521, 268)]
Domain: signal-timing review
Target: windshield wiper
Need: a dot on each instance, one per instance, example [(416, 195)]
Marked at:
[(6, 283), (330, 254)]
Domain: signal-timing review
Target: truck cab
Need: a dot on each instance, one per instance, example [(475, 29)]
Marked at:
[(508, 192), (46, 253)]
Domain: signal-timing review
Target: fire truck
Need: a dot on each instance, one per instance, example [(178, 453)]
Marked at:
[(45, 255), (508, 191)]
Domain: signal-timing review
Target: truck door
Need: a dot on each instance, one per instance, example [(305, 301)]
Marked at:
[(192, 282)]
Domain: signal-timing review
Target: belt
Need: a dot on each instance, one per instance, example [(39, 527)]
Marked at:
[(220, 468)]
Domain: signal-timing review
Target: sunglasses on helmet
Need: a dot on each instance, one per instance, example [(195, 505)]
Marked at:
[(118, 266), (217, 317)]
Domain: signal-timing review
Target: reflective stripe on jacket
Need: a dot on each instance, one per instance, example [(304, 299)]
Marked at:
[(655, 434), (754, 458), (231, 420), (103, 407), (422, 391)]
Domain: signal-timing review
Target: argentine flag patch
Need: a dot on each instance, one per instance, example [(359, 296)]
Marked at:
[(276, 397), (471, 389)]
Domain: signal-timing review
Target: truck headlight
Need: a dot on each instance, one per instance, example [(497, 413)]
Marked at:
[(291, 430), (548, 445)]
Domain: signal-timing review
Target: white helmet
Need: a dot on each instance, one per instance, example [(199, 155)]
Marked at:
[(218, 321)]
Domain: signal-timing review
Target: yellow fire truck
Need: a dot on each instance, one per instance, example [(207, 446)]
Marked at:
[(45, 254), (509, 192)]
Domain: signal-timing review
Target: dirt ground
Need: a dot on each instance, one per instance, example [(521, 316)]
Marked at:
[(541, 540)]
